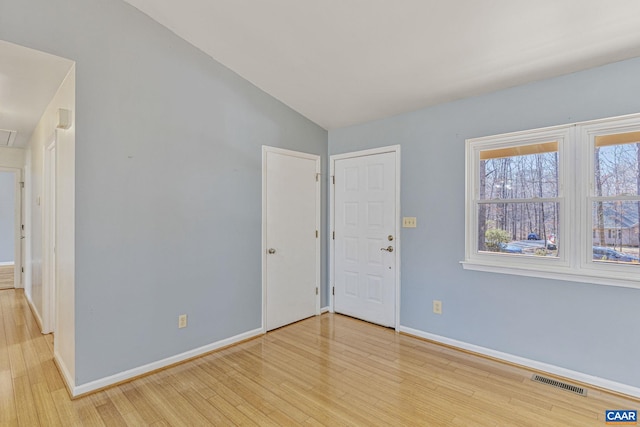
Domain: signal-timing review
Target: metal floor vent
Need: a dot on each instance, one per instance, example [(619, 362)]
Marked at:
[(559, 384)]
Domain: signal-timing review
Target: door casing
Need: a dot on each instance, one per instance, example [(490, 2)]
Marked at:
[(49, 269), (332, 159)]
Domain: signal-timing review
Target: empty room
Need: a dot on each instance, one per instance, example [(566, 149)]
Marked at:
[(326, 213)]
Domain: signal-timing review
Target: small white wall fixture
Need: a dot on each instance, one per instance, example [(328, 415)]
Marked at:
[(64, 118)]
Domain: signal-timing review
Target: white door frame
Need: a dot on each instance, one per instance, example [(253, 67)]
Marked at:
[(17, 224), (48, 238), (266, 149), (332, 270)]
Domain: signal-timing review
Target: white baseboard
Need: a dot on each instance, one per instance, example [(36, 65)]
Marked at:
[(34, 311), (64, 371), (145, 369), (528, 363), (5, 263), (324, 310)]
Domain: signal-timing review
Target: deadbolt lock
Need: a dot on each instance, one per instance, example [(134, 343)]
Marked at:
[(390, 238)]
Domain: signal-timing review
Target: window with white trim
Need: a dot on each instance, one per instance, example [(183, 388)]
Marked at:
[(561, 202)]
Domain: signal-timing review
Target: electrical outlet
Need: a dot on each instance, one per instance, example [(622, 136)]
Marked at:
[(409, 222), (182, 321), (437, 306)]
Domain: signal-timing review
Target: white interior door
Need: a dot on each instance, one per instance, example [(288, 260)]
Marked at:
[(291, 209), (365, 223)]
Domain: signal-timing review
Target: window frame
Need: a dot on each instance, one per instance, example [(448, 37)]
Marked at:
[(576, 176), (588, 131)]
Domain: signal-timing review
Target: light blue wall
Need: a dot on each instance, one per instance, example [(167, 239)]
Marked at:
[(7, 216), (583, 327), (168, 182)]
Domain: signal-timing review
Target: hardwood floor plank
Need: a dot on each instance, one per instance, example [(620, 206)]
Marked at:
[(16, 360), (25, 403), (52, 376), (45, 405), (7, 399), (204, 406), (140, 403), (231, 412), (65, 408), (110, 415)]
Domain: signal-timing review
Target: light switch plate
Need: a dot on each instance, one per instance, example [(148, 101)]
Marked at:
[(409, 222)]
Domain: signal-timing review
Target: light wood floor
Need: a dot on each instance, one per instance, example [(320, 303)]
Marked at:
[(327, 370), (6, 276)]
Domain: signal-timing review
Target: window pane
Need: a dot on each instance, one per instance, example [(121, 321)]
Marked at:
[(518, 176), (615, 232), (519, 228), (616, 165)]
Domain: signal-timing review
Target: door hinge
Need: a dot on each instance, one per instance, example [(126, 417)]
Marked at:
[(22, 269), (21, 184), (333, 235), (333, 178), (317, 234), (317, 177), (333, 290), (316, 290)]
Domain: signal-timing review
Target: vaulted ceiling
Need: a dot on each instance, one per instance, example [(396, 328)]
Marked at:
[(342, 62)]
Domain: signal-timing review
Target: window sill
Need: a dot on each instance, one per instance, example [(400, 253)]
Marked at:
[(558, 273)]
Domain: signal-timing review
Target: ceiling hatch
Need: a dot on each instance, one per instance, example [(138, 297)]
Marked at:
[(7, 137)]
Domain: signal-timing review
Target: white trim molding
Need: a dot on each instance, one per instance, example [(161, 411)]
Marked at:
[(603, 383), (64, 372), (150, 367), (34, 311)]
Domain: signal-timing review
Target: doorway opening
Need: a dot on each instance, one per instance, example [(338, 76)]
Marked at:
[(10, 228)]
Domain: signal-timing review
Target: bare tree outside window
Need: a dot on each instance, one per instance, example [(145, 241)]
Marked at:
[(518, 192)]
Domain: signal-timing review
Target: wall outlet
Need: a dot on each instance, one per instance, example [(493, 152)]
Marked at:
[(409, 222), (182, 321), (437, 306)]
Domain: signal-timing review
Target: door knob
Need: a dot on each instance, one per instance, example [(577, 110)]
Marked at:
[(388, 249), (271, 251)]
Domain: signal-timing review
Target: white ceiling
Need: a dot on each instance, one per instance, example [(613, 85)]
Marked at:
[(28, 81), (342, 62)]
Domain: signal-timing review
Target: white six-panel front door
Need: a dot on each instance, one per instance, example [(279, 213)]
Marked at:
[(291, 237), (365, 241)]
